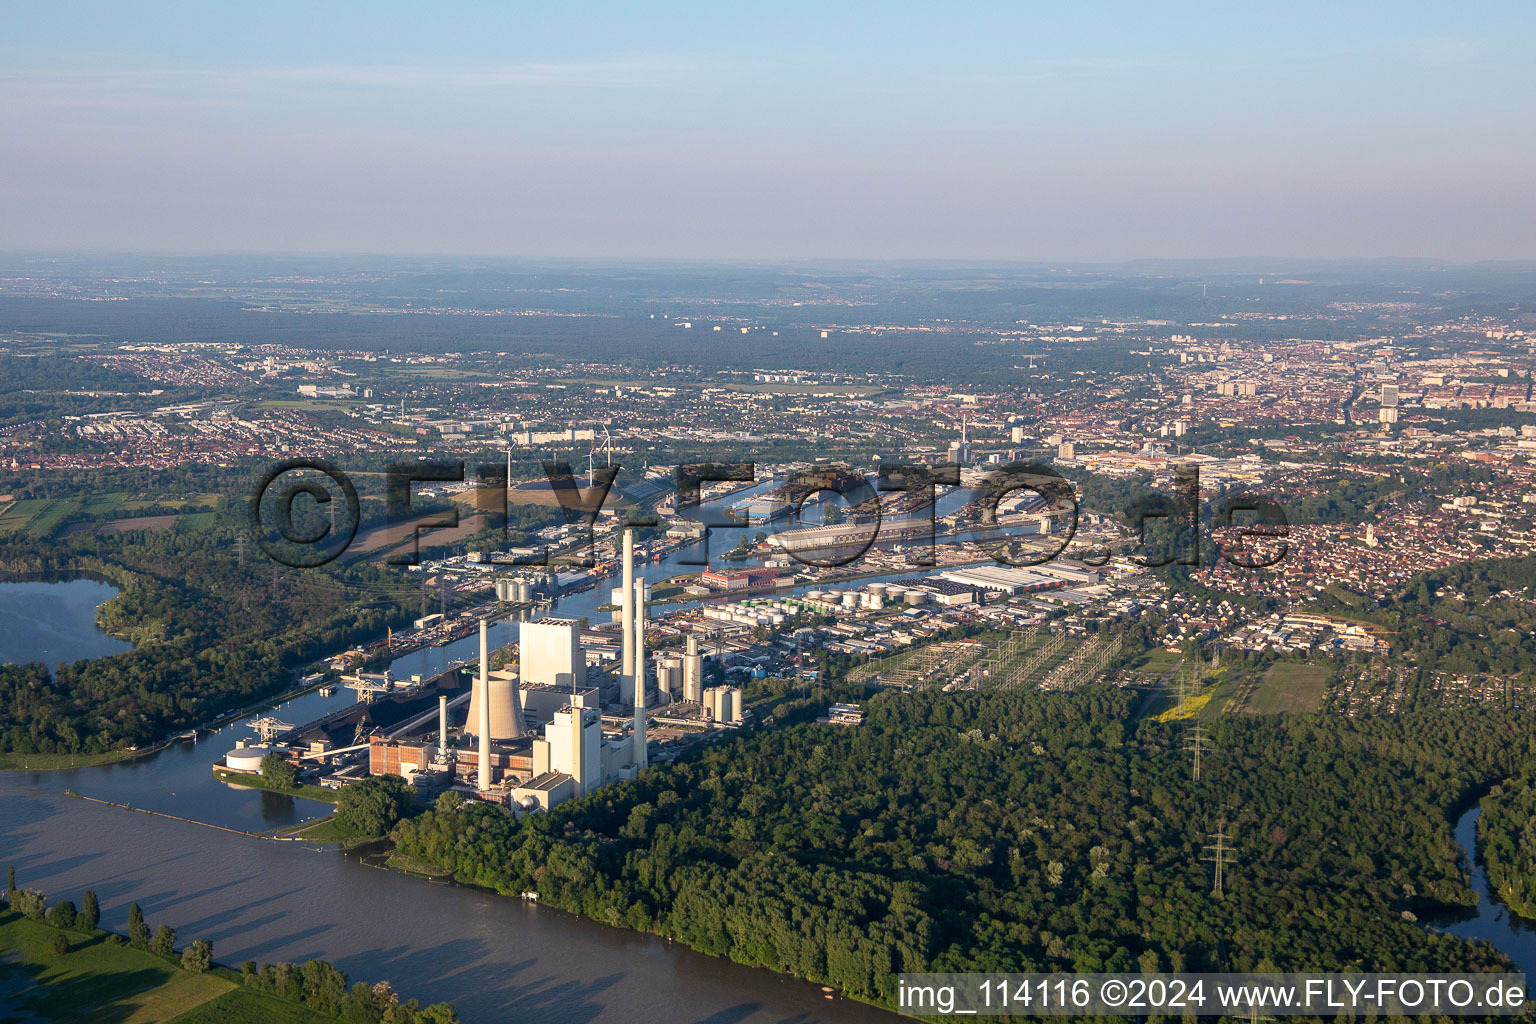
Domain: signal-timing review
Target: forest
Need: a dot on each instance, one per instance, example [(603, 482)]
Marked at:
[(214, 628), (1506, 839), (1020, 832)]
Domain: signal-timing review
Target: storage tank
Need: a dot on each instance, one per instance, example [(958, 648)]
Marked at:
[(247, 759)]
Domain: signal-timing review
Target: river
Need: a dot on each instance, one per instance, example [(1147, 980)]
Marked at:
[(1512, 934), (497, 959)]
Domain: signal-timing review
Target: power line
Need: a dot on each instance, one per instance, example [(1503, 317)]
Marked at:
[(1219, 854), (1196, 745)]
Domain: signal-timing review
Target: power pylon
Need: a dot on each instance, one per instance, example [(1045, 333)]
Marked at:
[(1196, 745), (1219, 854)]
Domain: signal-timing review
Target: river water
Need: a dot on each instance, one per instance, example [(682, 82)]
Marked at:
[(1513, 935), (497, 959)]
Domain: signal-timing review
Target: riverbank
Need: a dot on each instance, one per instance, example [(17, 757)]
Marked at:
[(12, 762), (97, 979), (316, 793), (100, 976)]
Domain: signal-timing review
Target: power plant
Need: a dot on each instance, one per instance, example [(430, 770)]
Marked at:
[(527, 735)]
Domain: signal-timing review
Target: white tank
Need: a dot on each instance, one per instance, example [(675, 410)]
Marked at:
[(246, 759)]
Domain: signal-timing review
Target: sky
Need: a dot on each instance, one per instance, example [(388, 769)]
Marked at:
[(1072, 131)]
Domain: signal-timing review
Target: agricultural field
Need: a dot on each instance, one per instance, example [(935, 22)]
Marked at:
[(101, 505), (20, 513), (197, 520), (51, 518), (193, 503), (139, 523)]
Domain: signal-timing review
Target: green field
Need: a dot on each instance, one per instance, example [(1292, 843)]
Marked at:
[(1289, 686), (241, 1006), (96, 981), (45, 522), (102, 504), (197, 521), (325, 796), (205, 500), (1156, 661), (326, 830), (20, 514), (13, 762)]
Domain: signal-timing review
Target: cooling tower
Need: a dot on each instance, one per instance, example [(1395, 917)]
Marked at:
[(503, 720)]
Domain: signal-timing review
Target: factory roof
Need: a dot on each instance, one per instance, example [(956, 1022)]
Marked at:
[(545, 782)]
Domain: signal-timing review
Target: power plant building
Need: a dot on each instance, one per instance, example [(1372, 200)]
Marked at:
[(506, 717), (549, 652), (572, 745)]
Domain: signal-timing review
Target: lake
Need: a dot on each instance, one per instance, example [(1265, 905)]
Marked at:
[(52, 622)]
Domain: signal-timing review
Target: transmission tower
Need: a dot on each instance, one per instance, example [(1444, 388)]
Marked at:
[(1197, 747), (1219, 853), (799, 665)]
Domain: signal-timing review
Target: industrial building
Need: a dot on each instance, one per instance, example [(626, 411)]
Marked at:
[(549, 652), (527, 737)]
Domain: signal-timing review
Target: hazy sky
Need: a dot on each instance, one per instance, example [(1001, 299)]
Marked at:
[(1062, 130)]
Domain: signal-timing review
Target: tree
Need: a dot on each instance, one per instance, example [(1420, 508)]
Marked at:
[(29, 903), (58, 945), (64, 915), (90, 911), (138, 931), (10, 881), (373, 806), (165, 940), (197, 957), (278, 772), (324, 985)]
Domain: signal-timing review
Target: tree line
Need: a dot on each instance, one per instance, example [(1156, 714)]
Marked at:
[(1019, 832)]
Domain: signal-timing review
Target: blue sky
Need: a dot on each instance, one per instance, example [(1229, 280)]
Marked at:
[(1061, 131)]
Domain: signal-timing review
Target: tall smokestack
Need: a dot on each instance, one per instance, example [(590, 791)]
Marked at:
[(627, 615), (442, 726), (639, 674), (485, 712)]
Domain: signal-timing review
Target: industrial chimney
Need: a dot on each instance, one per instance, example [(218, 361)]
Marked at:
[(627, 617), (485, 712), (639, 731)]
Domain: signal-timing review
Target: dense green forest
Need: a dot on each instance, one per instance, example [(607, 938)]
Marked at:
[(1506, 832), (213, 629), (1018, 832)]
